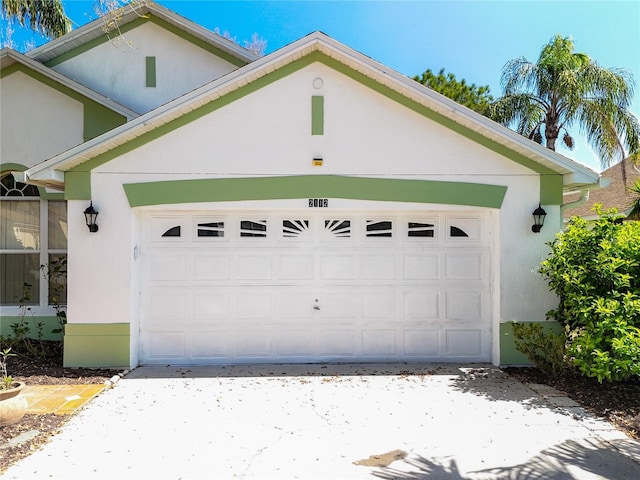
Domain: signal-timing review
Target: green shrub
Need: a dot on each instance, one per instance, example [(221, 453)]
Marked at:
[(544, 347), (595, 271)]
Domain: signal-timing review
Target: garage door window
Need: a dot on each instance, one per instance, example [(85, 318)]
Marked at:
[(421, 230), (172, 232), (379, 228), (338, 228), (211, 229), (296, 229), (253, 228), (457, 232)]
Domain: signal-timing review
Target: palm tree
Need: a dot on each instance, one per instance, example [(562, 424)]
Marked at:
[(564, 88), (634, 213), (46, 17)]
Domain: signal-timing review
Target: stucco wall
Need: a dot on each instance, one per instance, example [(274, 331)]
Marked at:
[(44, 122), (117, 68)]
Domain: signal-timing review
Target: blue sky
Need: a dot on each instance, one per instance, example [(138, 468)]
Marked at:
[(472, 39)]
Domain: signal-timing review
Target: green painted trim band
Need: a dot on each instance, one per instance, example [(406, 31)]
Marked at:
[(50, 322), (551, 189), (314, 186), (150, 68), (97, 118), (317, 115), (77, 185), (97, 345), (136, 23), (97, 329), (357, 76)]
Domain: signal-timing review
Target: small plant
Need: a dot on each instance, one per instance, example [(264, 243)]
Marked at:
[(21, 329), (6, 381), (56, 274), (544, 347)]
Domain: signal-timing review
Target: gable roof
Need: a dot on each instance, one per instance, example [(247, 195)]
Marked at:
[(130, 15), (615, 195), (318, 47), (10, 58)]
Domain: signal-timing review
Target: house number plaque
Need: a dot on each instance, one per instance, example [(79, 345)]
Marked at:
[(318, 202)]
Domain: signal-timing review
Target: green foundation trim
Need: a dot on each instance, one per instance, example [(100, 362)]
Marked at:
[(136, 23), (509, 354), (150, 68), (314, 186), (547, 187), (97, 345), (317, 115), (49, 323), (97, 118)]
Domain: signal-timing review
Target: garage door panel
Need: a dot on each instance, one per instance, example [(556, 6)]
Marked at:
[(337, 266), (210, 267), (165, 345), (294, 343), (422, 304), (294, 303), (380, 304), (379, 343), (338, 343), (461, 265), (169, 267), (463, 343), (211, 305), (296, 267), (165, 303), (421, 266), (210, 345), (421, 343), (253, 305), (253, 266), (338, 305), (254, 343), (379, 267), (463, 304)]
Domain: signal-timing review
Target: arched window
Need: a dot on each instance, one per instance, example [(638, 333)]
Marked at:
[(33, 232)]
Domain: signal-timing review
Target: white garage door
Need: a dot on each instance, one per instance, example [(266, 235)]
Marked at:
[(244, 287)]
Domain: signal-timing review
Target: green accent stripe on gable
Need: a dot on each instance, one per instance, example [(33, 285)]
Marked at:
[(136, 23), (77, 185), (314, 186), (317, 115), (357, 76), (150, 69), (97, 118)]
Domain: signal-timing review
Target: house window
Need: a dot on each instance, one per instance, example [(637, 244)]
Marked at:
[(33, 232)]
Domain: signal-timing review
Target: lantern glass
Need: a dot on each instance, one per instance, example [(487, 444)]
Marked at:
[(538, 219), (90, 217)]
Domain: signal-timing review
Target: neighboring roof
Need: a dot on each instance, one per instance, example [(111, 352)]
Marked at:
[(412, 93), (10, 57), (131, 13), (615, 195)]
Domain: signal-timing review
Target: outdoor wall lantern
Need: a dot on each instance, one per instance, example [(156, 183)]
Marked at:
[(90, 216), (538, 219)]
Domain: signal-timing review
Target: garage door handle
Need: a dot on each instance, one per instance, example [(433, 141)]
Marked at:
[(316, 306)]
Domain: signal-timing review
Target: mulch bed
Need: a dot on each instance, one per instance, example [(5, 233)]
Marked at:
[(618, 403)]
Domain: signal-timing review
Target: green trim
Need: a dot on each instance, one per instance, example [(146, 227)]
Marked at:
[(545, 186), (97, 118), (77, 185), (97, 345), (50, 322), (551, 189), (138, 22), (317, 115), (150, 69), (509, 354), (42, 191), (314, 186)]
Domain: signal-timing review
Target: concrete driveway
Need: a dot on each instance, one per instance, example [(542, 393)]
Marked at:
[(331, 422)]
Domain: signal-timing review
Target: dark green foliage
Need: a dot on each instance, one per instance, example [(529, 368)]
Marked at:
[(471, 96), (595, 271)]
